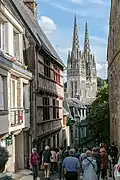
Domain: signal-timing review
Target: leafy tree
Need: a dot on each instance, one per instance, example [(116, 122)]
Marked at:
[(99, 120), (100, 82)]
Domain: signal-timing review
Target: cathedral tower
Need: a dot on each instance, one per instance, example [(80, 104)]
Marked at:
[(81, 69)]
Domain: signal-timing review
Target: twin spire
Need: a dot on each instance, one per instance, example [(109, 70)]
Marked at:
[(75, 46)]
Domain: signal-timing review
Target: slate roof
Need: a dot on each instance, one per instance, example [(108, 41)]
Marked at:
[(36, 29), (66, 107), (73, 102), (65, 112)]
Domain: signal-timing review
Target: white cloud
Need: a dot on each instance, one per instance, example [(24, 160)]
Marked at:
[(47, 24), (100, 2), (86, 11), (77, 1), (102, 70)]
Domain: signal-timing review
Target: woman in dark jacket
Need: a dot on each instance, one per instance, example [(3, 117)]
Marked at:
[(96, 155)]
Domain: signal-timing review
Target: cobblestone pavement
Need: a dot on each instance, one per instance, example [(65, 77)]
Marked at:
[(53, 177)]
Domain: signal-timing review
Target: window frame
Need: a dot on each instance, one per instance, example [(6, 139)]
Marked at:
[(17, 53), (2, 106), (46, 108), (2, 36), (15, 96)]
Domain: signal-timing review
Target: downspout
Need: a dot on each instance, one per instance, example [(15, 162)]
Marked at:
[(37, 87)]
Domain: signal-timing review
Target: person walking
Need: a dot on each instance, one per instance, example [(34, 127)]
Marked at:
[(59, 157), (46, 161), (4, 156), (96, 155), (71, 166), (104, 163), (53, 160), (89, 166), (34, 162), (66, 152)]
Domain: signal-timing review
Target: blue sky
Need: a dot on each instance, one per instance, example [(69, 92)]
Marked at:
[(56, 18)]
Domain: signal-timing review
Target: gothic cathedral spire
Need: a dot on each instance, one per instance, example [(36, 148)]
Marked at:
[(86, 42), (75, 46)]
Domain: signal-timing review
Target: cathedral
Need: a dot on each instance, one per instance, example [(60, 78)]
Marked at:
[(81, 69)]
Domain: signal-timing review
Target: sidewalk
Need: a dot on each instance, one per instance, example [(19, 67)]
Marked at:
[(41, 177), (27, 175), (18, 175)]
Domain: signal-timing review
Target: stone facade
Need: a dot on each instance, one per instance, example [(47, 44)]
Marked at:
[(114, 71), (14, 92), (45, 68), (81, 70), (46, 89)]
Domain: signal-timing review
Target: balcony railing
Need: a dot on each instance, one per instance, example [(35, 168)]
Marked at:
[(16, 117)]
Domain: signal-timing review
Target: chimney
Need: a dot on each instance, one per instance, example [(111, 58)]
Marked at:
[(32, 5)]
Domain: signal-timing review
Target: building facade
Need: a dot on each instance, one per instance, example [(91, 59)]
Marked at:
[(81, 69), (114, 71), (14, 91), (46, 87), (77, 125)]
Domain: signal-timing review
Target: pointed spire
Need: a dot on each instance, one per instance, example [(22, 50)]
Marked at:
[(75, 47), (69, 59), (86, 42), (94, 63)]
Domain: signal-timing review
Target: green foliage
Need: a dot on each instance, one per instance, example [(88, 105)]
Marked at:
[(100, 82), (99, 120), (69, 122)]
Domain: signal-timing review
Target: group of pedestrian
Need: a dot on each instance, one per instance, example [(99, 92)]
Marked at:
[(71, 162), (68, 162)]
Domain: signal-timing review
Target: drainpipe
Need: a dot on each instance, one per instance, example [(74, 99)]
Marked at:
[(37, 88)]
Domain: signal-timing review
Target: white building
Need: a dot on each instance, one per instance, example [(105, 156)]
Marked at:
[(14, 91)]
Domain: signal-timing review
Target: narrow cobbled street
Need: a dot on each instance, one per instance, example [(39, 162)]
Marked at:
[(52, 177)]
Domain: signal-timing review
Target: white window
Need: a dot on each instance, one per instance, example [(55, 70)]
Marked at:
[(16, 45), (13, 93), (26, 96), (1, 92), (2, 36)]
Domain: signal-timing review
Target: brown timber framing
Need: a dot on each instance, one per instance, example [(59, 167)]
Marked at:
[(47, 134), (51, 120)]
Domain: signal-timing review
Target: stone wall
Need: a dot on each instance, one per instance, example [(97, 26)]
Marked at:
[(114, 72)]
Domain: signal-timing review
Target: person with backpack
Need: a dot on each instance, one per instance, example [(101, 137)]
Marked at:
[(46, 160), (59, 158), (89, 166), (34, 162)]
